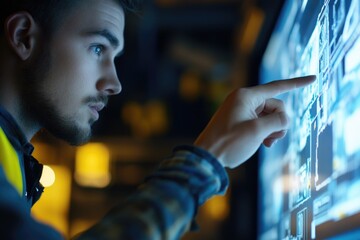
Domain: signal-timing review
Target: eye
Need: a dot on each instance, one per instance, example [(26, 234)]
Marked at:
[(97, 49)]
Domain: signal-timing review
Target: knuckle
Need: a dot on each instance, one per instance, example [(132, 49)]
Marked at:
[(243, 93), (281, 104), (284, 119), (254, 127)]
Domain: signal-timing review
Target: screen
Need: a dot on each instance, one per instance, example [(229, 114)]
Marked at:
[(310, 180)]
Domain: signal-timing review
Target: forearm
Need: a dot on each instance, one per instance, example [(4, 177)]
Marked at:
[(166, 204)]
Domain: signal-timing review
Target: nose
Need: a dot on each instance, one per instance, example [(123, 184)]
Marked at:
[(109, 83)]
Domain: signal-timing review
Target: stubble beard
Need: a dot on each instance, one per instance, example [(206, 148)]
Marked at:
[(40, 109)]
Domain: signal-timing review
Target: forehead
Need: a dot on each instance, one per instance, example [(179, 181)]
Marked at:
[(95, 15)]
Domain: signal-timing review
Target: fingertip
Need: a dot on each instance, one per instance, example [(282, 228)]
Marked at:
[(269, 142), (305, 80), (311, 78), (278, 135)]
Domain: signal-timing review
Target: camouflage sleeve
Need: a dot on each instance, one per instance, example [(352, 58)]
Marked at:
[(165, 205)]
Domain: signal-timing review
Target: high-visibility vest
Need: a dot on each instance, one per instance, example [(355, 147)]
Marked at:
[(9, 160)]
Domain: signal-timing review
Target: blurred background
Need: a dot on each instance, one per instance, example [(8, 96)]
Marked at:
[(181, 59)]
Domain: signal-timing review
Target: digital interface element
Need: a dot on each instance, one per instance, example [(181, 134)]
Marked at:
[(310, 180)]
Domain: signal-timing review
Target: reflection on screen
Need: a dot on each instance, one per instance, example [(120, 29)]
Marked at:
[(310, 181)]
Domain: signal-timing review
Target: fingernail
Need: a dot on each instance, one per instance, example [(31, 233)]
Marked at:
[(273, 142)]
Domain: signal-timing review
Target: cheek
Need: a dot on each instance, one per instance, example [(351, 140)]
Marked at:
[(75, 73)]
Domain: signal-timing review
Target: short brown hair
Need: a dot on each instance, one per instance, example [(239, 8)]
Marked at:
[(49, 13)]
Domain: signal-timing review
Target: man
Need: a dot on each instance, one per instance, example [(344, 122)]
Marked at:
[(57, 72)]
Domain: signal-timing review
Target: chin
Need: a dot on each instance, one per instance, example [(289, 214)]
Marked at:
[(73, 134), (81, 136), (77, 140)]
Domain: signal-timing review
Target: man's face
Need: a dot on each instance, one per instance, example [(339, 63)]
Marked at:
[(80, 73)]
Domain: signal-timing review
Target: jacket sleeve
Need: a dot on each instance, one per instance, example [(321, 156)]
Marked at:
[(15, 219), (164, 207)]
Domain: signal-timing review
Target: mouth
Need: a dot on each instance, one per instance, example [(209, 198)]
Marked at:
[(95, 108)]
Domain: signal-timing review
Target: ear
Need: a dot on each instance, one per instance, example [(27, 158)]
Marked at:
[(21, 32)]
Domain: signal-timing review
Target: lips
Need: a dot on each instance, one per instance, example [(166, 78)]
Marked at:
[(95, 108)]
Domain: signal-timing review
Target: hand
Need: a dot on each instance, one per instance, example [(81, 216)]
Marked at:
[(247, 118)]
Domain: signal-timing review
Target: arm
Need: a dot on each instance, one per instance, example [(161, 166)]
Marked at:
[(165, 205)]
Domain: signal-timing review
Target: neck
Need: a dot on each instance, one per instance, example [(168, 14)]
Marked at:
[(11, 104)]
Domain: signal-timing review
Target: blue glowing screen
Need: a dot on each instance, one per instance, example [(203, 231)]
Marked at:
[(310, 180)]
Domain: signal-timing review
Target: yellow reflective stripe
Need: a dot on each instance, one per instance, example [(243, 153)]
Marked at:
[(10, 163)]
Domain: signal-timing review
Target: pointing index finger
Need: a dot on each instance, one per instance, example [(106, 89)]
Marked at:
[(278, 87)]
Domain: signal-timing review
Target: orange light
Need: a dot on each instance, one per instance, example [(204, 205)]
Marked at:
[(92, 165), (53, 206), (217, 207), (251, 30)]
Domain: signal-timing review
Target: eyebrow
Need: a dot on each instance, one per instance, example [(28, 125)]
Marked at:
[(114, 41)]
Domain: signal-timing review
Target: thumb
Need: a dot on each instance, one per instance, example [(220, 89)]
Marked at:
[(273, 122)]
